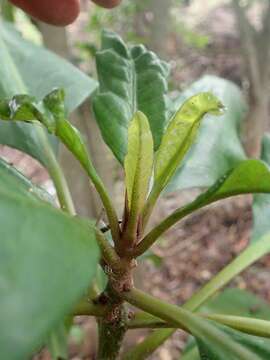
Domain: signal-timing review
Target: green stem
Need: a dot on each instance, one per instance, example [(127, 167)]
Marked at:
[(55, 172), (87, 307), (105, 198), (257, 327), (172, 219), (202, 329), (108, 253), (247, 325), (248, 257), (210, 196)]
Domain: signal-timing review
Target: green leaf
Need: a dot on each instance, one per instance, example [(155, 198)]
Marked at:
[(29, 69), (18, 183), (47, 261), (181, 134), (130, 79), (258, 347), (261, 202), (249, 176), (138, 162), (239, 303), (218, 147)]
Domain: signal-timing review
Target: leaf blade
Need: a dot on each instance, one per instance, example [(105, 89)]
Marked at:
[(129, 78), (18, 59), (138, 161), (47, 261), (181, 133), (218, 146)]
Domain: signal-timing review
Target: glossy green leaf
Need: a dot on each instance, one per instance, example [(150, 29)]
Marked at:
[(29, 69), (40, 70), (138, 162), (130, 79), (249, 176), (181, 134), (218, 147), (261, 202), (47, 261), (18, 183)]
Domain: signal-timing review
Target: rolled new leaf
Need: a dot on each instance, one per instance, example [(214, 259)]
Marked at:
[(138, 165)]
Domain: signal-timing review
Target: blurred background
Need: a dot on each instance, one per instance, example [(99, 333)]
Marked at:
[(230, 39)]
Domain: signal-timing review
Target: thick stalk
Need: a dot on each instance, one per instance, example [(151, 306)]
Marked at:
[(111, 335), (248, 257), (202, 329)]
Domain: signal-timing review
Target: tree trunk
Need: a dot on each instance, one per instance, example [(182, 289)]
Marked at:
[(152, 22), (256, 124), (255, 56), (160, 26)]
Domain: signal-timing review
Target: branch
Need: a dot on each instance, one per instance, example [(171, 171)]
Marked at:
[(172, 219), (181, 318), (248, 256), (108, 253), (264, 46), (247, 34), (202, 200), (87, 307), (252, 326)]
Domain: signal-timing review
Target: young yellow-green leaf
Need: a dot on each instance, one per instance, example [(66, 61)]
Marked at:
[(181, 134), (138, 161)]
